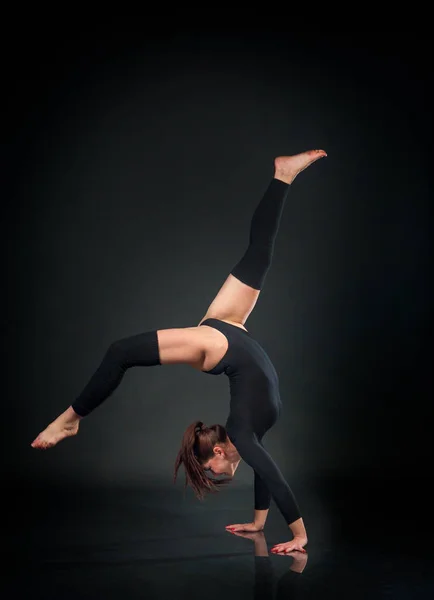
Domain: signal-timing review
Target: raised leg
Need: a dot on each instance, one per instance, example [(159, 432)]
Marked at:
[(240, 291)]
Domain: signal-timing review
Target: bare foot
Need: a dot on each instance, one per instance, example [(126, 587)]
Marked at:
[(288, 167), (66, 425)]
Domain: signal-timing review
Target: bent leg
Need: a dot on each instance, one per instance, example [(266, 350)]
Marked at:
[(137, 350)]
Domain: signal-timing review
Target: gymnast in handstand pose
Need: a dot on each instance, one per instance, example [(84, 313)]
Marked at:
[(220, 343)]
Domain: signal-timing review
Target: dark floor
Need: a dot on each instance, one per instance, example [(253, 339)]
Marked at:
[(366, 540)]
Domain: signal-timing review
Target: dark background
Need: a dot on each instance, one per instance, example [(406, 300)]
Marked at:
[(133, 164)]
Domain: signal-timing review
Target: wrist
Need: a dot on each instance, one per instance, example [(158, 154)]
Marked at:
[(260, 518), (298, 531)]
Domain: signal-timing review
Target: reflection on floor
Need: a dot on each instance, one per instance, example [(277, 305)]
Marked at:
[(154, 543)]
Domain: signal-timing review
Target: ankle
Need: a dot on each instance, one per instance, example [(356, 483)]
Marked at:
[(285, 177), (70, 416)]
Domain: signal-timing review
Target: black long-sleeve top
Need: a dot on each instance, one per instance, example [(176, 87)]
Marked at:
[(255, 406)]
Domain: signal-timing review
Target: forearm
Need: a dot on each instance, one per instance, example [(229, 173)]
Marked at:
[(273, 480), (260, 517), (269, 480)]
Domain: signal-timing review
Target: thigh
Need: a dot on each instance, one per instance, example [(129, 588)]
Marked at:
[(234, 302), (182, 345)]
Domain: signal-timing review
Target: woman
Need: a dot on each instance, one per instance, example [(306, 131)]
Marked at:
[(220, 343)]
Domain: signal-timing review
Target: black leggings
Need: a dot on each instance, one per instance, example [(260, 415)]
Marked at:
[(254, 265), (141, 350)]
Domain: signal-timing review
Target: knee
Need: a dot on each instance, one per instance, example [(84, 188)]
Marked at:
[(116, 352)]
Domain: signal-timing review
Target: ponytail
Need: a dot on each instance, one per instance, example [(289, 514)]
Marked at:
[(196, 449)]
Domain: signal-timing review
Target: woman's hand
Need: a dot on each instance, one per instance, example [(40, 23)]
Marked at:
[(285, 547), (244, 527)]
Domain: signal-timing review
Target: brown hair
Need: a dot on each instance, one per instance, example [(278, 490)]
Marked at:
[(197, 446)]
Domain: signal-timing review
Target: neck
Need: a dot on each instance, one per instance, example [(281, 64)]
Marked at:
[(233, 457)]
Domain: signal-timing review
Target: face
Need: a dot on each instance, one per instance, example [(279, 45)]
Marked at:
[(219, 464)]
